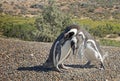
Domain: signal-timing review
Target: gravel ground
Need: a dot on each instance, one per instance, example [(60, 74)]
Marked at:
[(22, 61)]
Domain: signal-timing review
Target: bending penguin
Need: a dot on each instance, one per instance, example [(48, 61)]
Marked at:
[(61, 48), (88, 47)]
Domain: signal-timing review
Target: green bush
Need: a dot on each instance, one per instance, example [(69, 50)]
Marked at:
[(22, 31), (102, 31), (18, 27), (107, 42), (45, 28), (100, 28), (51, 23)]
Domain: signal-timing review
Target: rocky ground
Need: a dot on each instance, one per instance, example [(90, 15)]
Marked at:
[(22, 61)]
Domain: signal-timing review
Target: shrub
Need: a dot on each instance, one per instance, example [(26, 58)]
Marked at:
[(51, 22), (22, 31), (107, 42), (100, 28), (101, 31)]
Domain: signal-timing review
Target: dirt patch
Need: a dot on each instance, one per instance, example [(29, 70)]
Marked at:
[(117, 38), (22, 61)]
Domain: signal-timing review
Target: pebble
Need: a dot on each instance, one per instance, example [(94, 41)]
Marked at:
[(31, 55)]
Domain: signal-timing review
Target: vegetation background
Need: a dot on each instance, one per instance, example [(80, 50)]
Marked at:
[(44, 20)]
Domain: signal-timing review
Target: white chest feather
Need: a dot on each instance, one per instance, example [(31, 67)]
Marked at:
[(65, 51), (91, 53)]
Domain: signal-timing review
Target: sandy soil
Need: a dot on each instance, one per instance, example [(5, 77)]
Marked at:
[(22, 61)]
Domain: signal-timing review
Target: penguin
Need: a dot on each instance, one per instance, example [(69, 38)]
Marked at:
[(93, 52), (77, 40), (61, 48), (87, 46)]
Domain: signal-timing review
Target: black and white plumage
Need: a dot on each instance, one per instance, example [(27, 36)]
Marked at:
[(89, 47), (78, 40), (94, 53), (61, 48)]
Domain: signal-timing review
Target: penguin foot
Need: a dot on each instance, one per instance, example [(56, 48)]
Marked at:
[(58, 69), (64, 67), (102, 67), (87, 64), (61, 66)]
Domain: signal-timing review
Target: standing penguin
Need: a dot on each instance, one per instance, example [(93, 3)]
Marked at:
[(93, 52), (89, 47), (61, 48)]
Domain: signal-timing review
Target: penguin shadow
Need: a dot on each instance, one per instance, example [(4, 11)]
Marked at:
[(81, 66), (38, 68), (41, 68)]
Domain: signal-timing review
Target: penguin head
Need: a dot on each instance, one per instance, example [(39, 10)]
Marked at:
[(70, 33)]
